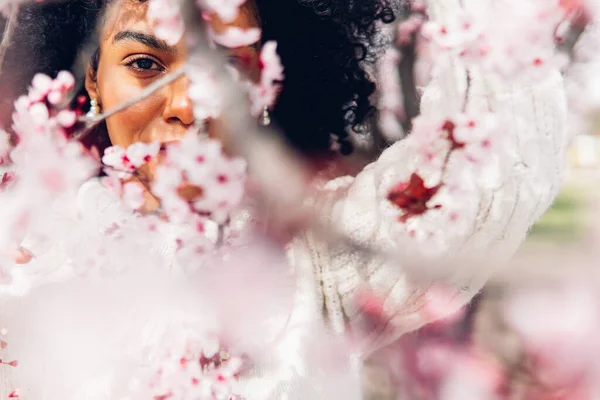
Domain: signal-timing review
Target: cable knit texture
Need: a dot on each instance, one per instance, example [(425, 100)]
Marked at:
[(329, 276)]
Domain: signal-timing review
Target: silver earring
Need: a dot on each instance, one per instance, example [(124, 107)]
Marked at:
[(266, 118), (94, 109)]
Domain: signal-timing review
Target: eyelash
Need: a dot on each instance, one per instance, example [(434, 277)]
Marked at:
[(130, 64)]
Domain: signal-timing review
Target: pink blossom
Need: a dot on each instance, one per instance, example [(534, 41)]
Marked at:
[(459, 32), (221, 180), (227, 10), (7, 179), (191, 366), (234, 37), (55, 97), (127, 160), (478, 134), (204, 91), (165, 15), (35, 113), (431, 144), (514, 39), (115, 156), (272, 70), (66, 118), (39, 114), (64, 81), (194, 155), (265, 93), (40, 87), (140, 153), (224, 189), (133, 195), (193, 244)]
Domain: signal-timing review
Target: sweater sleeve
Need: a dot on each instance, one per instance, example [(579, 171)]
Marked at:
[(498, 212)]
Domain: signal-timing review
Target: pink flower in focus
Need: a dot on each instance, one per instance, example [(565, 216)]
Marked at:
[(223, 188), (115, 156), (514, 39), (127, 160), (477, 136), (431, 143), (191, 367), (194, 155), (141, 153), (199, 162)]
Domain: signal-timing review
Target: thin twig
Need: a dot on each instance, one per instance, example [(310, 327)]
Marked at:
[(467, 92), (92, 122), (406, 69), (567, 46), (9, 30), (410, 94)]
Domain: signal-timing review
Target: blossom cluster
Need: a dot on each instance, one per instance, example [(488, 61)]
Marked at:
[(190, 367), (205, 91), (515, 40), (198, 188)]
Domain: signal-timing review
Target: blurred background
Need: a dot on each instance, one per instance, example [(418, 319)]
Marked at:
[(565, 225)]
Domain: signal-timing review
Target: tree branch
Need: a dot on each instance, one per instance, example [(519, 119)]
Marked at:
[(94, 121), (9, 30), (406, 68), (410, 96), (568, 43)]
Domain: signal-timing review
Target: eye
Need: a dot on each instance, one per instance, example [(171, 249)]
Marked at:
[(144, 65)]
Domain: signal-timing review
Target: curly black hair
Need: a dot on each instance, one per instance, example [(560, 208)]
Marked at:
[(324, 46)]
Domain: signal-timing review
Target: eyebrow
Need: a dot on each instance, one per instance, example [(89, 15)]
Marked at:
[(145, 39)]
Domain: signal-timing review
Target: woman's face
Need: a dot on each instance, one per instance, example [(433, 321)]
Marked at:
[(132, 58)]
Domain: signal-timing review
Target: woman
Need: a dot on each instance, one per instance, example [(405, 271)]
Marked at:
[(323, 75)]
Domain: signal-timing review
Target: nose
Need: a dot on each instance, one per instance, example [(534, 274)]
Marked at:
[(179, 108)]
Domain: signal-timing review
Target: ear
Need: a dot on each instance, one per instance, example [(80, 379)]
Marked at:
[(91, 83)]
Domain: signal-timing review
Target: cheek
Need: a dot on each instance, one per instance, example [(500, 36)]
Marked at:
[(130, 125)]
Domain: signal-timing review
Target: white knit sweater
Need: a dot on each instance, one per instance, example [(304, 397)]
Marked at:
[(328, 277)]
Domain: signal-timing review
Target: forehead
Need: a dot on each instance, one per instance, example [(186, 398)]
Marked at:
[(131, 15), (125, 15)]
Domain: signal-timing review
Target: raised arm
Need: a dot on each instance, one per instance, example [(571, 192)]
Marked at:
[(496, 213)]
